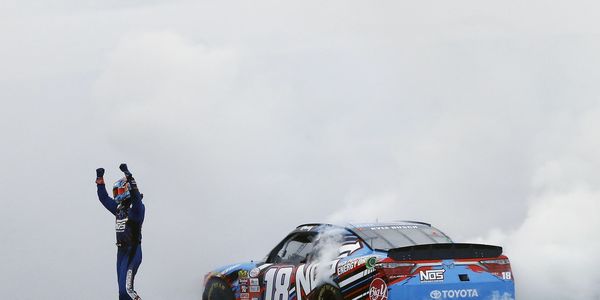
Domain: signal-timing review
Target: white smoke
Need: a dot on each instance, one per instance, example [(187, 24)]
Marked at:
[(327, 252), (553, 249)]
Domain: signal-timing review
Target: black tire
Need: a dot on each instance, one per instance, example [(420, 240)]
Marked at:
[(326, 292), (217, 289)]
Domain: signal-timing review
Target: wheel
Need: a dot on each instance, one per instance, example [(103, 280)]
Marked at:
[(327, 292), (217, 289)]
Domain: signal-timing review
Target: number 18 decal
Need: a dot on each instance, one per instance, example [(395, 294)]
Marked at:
[(278, 283)]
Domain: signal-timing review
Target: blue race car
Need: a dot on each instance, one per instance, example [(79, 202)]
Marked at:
[(380, 261)]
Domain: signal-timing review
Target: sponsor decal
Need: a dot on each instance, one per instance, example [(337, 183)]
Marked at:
[(244, 296), (254, 272), (254, 289), (254, 281), (346, 266), (243, 289), (371, 261), (306, 276), (243, 274), (432, 275), (378, 290), (306, 228), (121, 224), (454, 294), (243, 280)]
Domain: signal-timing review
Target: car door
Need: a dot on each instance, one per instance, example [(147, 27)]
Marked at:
[(288, 261)]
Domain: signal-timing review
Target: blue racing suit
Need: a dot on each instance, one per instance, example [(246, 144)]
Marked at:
[(129, 218)]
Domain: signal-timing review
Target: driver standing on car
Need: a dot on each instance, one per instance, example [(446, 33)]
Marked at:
[(128, 209)]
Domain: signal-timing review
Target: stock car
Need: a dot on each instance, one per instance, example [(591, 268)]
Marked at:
[(376, 261)]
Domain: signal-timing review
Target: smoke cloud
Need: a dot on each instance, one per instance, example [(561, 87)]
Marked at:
[(242, 120), (552, 246)]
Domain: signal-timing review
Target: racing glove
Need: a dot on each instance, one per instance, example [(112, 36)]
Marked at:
[(125, 170), (129, 176), (100, 176)]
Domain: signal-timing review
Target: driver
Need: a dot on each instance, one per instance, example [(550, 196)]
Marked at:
[(129, 211)]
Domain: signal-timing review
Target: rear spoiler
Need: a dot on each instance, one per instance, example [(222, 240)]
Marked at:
[(444, 251)]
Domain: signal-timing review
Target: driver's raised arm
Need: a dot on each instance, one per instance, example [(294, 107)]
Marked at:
[(103, 196), (137, 211)]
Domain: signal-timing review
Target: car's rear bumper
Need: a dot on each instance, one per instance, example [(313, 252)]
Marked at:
[(501, 290)]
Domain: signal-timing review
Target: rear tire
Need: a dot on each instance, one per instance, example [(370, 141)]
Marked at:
[(217, 289), (327, 292)]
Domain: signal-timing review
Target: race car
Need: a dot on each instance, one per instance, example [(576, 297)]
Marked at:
[(377, 261)]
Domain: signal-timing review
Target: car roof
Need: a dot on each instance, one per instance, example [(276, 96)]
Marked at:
[(315, 227)]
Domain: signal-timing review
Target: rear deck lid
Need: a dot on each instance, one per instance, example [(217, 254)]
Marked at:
[(444, 251)]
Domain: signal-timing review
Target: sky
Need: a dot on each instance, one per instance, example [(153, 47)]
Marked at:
[(243, 119)]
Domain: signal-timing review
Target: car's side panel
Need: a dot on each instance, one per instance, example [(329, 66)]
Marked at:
[(354, 274)]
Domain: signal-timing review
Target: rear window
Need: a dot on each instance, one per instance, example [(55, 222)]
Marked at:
[(386, 237)]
